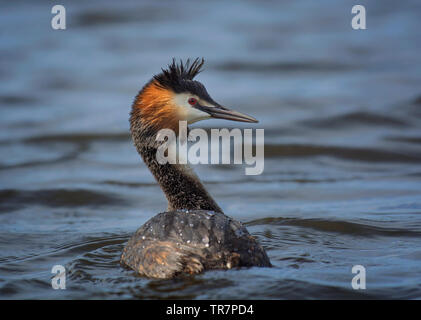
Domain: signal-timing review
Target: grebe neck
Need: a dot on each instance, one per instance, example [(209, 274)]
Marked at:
[(181, 186)]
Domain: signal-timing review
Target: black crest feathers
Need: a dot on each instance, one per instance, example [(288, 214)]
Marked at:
[(177, 74)]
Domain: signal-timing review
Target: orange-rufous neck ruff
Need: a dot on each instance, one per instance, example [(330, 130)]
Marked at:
[(157, 107)]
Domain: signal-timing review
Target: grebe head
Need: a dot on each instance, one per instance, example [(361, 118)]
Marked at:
[(173, 96)]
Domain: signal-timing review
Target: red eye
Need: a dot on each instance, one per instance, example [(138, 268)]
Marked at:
[(192, 101)]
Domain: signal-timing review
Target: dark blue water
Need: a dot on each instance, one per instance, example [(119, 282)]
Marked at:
[(341, 111)]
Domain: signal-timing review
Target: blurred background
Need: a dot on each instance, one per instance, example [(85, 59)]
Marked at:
[(341, 110)]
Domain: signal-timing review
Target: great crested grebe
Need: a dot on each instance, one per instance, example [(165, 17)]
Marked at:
[(194, 234)]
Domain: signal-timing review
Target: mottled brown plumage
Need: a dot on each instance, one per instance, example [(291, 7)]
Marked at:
[(178, 242), (194, 234)]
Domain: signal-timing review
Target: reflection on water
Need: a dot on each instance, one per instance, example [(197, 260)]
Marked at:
[(341, 111)]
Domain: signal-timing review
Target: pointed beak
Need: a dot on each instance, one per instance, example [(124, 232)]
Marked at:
[(220, 112)]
